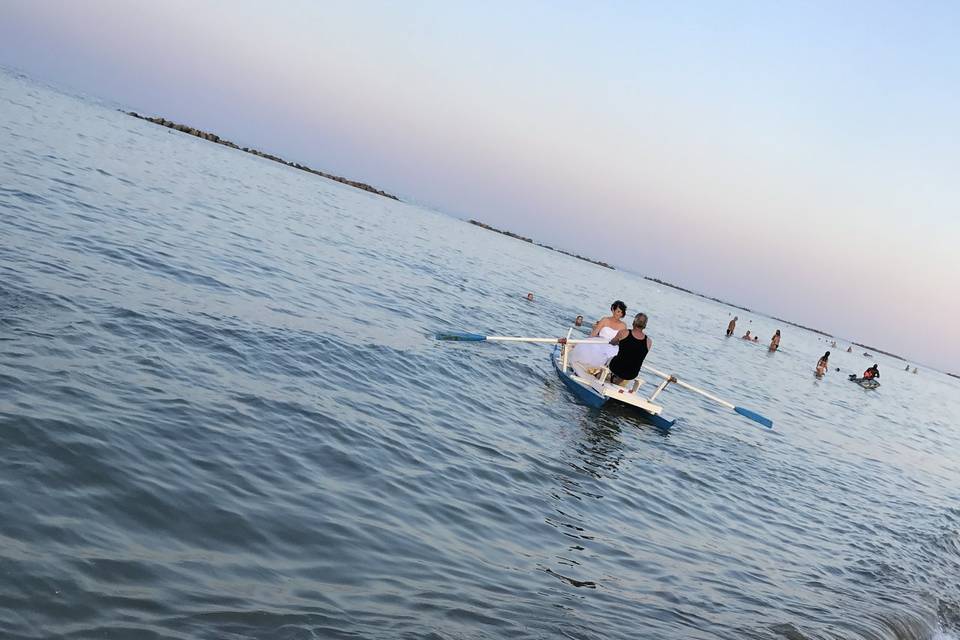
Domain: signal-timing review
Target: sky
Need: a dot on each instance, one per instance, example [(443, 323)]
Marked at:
[(798, 158)]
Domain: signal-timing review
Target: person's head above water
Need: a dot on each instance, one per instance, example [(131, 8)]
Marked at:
[(618, 309), (640, 321), (578, 321), (826, 355), (530, 297)]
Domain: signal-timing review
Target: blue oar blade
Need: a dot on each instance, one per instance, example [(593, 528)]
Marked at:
[(462, 337), (756, 417)]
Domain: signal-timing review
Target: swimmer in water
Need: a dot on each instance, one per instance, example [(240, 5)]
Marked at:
[(578, 322), (747, 335), (530, 297)]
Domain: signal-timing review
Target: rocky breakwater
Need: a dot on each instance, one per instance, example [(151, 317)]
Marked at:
[(511, 234), (212, 137)]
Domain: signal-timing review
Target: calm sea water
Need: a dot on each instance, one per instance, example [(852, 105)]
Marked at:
[(223, 415)]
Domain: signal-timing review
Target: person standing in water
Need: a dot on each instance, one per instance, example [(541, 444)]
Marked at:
[(632, 348), (732, 326), (775, 341), (822, 364)]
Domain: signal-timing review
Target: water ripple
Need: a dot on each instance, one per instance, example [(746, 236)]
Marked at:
[(223, 415)]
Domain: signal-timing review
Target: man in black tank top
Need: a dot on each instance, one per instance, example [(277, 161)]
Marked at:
[(634, 345)]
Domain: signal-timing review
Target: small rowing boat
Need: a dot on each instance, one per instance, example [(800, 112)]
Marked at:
[(592, 392)]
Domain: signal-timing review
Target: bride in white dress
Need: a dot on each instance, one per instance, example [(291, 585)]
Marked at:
[(594, 355)]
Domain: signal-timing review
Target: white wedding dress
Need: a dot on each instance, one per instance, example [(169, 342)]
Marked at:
[(594, 355)]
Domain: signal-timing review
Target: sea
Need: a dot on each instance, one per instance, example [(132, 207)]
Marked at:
[(224, 415)]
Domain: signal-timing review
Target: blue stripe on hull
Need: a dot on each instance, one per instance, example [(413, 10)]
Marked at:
[(586, 395), (657, 421)]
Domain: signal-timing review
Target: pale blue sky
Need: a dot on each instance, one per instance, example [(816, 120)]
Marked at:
[(798, 158)]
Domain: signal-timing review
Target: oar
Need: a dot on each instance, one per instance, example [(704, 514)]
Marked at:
[(746, 413), (476, 337)]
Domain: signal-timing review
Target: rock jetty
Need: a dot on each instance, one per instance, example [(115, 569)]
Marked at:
[(694, 293), (886, 353), (540, 244), (212, 137)]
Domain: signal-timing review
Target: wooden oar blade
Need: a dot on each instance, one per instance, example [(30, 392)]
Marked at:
[(756, 417), (461, 337)]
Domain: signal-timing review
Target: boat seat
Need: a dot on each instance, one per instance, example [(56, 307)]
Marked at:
[(581, 372)]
